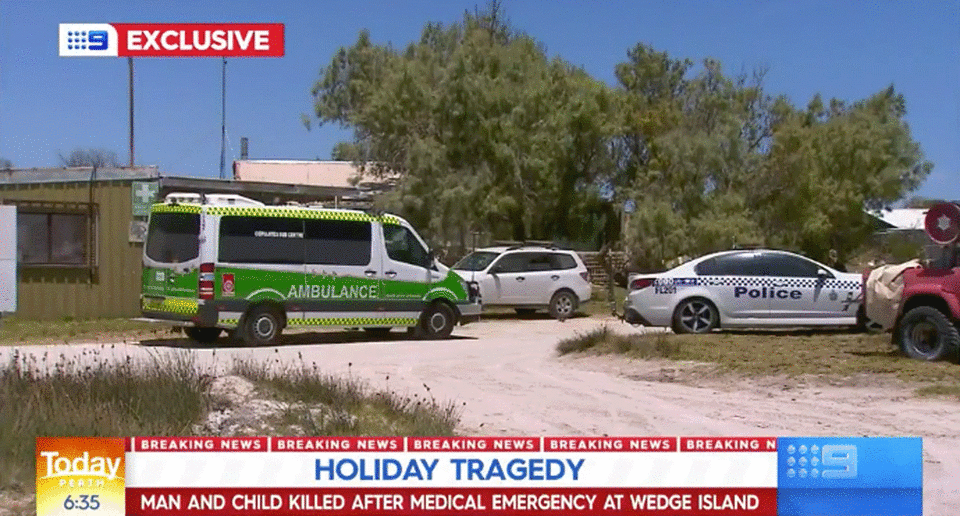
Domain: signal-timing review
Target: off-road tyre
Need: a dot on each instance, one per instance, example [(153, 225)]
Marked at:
[(925, 333), (695, 315), (563, 305), (437, 322), (262, 327), (203, 335)]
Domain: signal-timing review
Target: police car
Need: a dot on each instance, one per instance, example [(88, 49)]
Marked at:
[(745, 288)]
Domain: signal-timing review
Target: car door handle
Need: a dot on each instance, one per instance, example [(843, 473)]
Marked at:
[(370, 273), (554, 277), (519, 278), (390, 274)]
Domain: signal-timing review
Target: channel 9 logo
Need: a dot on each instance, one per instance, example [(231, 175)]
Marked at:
[(94, 39), (832, 461), (88, 39)]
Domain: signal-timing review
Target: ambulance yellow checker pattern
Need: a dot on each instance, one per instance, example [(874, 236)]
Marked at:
[(352, 321), (171, 304)]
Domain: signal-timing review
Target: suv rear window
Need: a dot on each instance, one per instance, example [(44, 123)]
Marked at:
[(562, 261), (173, 237)]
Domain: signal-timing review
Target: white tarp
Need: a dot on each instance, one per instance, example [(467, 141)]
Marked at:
[(884, 290)]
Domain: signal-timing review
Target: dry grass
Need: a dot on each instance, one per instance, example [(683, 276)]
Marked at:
[(832, 355), (17, 332)]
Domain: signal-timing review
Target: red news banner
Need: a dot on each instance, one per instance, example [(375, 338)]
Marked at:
[(200, 39), (451, 475)]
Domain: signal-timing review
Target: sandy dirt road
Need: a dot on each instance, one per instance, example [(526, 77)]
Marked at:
[(513, 383)]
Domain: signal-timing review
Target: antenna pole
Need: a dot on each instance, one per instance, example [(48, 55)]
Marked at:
[(130, 67), (223, 118)]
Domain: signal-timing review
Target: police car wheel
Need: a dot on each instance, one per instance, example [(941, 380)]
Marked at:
[(696, 315), (925, 333), (203, 335), (437, 322), (262, 327)]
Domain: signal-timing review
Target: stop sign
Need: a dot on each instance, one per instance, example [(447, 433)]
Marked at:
[(942, 222)]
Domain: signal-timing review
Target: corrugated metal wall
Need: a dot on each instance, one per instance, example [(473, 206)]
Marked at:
[(114, 288)]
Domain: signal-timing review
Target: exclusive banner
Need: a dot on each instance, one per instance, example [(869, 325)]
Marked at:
[(171, 39), (548, 476)]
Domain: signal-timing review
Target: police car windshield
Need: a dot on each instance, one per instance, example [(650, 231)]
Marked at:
[(476, 261)]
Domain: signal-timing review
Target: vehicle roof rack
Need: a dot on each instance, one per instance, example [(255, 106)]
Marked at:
[(745, 247), (210, 198), (513, 244)]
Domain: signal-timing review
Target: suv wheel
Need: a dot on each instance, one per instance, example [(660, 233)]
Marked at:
[(696, 315), (563, 304), (926, 333)]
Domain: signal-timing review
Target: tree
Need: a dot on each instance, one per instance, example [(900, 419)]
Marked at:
[(828, 164), (90, 158), (483, 129), (690, 140), (5, 164)]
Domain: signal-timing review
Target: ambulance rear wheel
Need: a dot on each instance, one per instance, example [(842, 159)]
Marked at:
[(262, 327), (695, 315), (203, 335)]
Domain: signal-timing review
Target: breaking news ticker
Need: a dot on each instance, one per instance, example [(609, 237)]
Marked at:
[(470, 476)]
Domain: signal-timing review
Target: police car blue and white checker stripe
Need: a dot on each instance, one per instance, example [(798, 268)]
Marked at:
[(727, 299), (758, 281)]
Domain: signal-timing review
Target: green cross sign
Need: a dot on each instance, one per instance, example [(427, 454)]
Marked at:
[(143, 194)]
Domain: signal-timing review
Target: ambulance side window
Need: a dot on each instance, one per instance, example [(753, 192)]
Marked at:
[(402, 246), (261, 240), (337, 242)]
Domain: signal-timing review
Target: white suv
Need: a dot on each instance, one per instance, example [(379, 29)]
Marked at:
[(528, 278)]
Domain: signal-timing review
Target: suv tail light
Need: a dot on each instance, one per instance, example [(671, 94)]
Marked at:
[(205, 283), (586, 276), (641, 283)]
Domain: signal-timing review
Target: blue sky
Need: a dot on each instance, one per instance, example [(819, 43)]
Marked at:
[(51, 105)]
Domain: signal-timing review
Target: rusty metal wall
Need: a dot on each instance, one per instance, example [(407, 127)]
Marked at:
[(113, 288)]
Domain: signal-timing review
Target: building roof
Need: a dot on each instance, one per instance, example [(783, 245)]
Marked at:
[(903, 219), (76, 175), (337, 174)]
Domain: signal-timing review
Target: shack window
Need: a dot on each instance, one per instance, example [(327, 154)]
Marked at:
[(52, 238)]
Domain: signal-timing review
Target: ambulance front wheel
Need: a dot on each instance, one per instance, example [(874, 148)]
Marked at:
[(437, 321), (262, 327)]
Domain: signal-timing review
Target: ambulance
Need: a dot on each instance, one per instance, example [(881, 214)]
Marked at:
[(216, 262)]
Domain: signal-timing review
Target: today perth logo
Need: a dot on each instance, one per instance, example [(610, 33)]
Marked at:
[(171, 39), (81, 465)]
